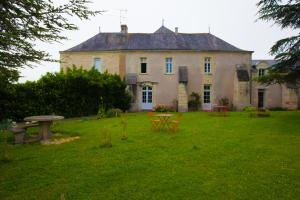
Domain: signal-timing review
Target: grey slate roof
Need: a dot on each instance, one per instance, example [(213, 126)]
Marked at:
[(270, 62), (162, 39)]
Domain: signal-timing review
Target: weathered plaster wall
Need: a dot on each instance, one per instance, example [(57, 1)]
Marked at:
[(223, 67), (273, 93), (110, 60), (289, 98)]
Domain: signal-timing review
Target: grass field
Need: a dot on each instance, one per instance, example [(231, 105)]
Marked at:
[(233, 157)]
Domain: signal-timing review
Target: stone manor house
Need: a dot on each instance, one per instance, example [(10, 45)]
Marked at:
[(167, 66)]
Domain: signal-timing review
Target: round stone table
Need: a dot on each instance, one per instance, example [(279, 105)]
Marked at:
[(45, 121)]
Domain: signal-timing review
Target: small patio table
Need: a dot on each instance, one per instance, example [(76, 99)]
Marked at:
[(44, 121), (164, 120)]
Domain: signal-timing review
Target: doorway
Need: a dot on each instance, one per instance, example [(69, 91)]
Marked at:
[(147, 98)]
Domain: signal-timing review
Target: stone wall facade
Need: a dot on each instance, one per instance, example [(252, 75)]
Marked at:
[(165, 86)]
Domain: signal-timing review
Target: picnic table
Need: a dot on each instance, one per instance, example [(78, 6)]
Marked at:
[(164, 119), (44, 121)]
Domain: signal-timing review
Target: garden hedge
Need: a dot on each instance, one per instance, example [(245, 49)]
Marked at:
[(72, 93)]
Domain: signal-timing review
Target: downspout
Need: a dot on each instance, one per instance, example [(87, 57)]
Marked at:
[(250, 85)]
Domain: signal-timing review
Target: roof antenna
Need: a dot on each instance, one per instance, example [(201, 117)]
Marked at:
[(121, 14)]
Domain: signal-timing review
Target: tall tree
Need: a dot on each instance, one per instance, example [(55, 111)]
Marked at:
[(23, 22), (286, 14)]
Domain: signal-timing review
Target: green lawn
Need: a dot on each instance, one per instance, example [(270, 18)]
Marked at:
[(233, 157)]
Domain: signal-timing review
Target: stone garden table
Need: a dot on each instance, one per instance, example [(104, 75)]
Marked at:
[(44, 121)]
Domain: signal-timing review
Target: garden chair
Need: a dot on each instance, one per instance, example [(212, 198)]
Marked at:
[(175, 123), (154, 122)]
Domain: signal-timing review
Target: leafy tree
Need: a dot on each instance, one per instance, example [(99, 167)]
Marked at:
[(286, 14), (23, 22)]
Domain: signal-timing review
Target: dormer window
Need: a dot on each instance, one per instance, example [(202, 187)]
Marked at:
[(261, 72), (143, 65), (207, 69)]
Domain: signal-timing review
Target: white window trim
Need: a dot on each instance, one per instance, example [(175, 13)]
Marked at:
[(207, 65), (207, 90), (166, 65), (101, 64), (264, 72), (140, 67)]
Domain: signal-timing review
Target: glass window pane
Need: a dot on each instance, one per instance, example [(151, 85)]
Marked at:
[(97, 64), (143, 68)]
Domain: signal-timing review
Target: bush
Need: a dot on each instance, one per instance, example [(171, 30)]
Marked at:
[(249, 108), (72, 93), (162, 108), (194, 103), (114, 112), (260, 114), (101, 111), (232, 107), (5, 125), (278, 109), (224, 101)]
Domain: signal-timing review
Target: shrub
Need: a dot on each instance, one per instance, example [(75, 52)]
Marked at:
[(278, 109), (74, 92), (175, 105), (5, 125), (101, 111), (260, 114), (114, 112), (249, 108), (163, 108), (224, 101), (194, 103), (232, 107)]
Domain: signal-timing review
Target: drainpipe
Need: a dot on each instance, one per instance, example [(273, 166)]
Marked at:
[(250, 83)]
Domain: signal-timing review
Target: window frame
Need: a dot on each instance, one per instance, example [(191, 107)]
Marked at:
[(99, 69), (207, 65), (261, 72), (143, 60), (207, 97), (169, 65)]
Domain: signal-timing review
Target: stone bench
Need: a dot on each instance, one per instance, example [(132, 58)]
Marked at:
[(20, 131)]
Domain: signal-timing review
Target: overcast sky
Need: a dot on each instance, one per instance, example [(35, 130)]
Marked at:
[(232, 20)]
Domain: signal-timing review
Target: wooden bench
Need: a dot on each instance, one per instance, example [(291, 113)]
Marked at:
[(20, 130)]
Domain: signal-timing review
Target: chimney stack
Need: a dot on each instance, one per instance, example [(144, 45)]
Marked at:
[(176, 29), (124, 28)]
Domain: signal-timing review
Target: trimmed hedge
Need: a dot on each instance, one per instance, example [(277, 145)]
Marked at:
[(73, 93)]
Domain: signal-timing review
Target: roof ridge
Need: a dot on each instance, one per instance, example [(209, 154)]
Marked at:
[(162, 39)]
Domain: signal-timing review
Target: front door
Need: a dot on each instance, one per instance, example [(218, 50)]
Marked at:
[(207, 97), (261, 98), (146, 98)]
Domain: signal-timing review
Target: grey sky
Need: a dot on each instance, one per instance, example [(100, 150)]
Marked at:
[(231, 20)]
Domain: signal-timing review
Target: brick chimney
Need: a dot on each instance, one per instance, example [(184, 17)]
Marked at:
[(176, 30), (124, 28)]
